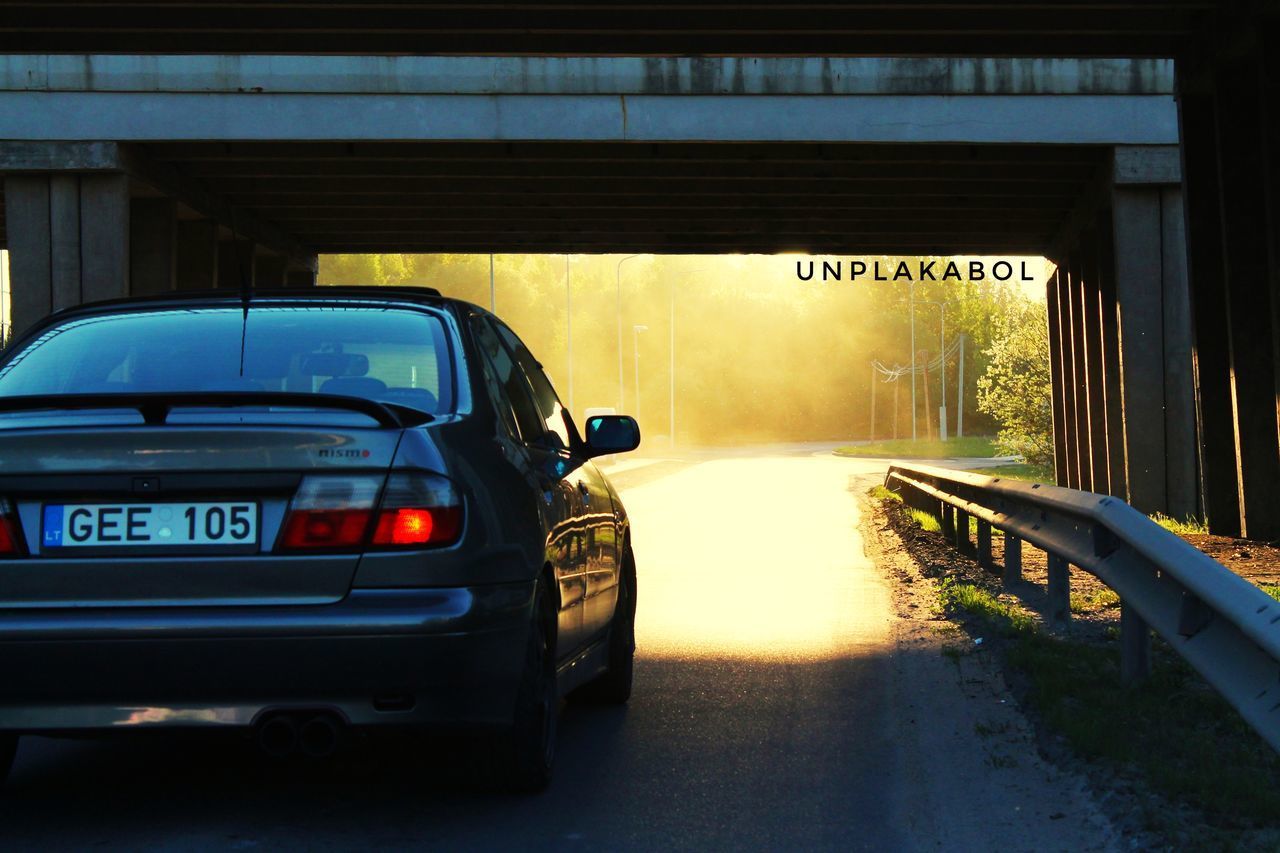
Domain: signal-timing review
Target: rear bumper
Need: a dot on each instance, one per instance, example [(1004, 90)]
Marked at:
[(379, 657)]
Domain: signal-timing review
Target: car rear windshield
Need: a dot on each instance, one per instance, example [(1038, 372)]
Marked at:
[(388, 354)]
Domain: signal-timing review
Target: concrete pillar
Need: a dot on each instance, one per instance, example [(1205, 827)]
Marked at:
[(197, 265), (1247, 279), (236, 264), (1181, 449), (153, 245), (1091, 320), (1139, 287), (1103, 271), (1211, 359), (269, 270), (1057, 381), (300, 278), (1080, 368), (1067, 386), (68, 238)]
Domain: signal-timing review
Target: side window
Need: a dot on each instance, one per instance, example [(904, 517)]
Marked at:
[(511, 382), (555, 416)]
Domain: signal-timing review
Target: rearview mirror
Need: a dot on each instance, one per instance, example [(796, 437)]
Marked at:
[(612, 434)]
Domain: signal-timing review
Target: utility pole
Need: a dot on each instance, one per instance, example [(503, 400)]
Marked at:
[(913, 360), (635, 331), (896, 407), (928, 422), (960, 394), (871, 433), (618, 281)]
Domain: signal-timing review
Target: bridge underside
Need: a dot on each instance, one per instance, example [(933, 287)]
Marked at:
[(662, 197)]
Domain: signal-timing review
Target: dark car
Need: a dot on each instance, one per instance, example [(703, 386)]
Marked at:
[(300, 511)]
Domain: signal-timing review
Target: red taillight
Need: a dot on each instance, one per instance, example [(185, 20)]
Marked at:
[(330, 513), (326, 528), (10, 537), (418, 526), (418, 509)]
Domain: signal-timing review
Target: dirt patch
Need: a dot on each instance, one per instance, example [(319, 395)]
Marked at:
[(1258, 562)]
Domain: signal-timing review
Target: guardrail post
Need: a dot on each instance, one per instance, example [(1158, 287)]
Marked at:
[(1135, 646), (984, 545), (1059, 603), (947, 520), (1012, 560), (962, 531)]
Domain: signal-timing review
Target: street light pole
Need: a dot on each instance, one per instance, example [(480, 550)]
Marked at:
[(636, 330), (618, 280)]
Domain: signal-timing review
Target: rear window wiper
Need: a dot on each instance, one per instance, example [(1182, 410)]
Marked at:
[(156, 406)]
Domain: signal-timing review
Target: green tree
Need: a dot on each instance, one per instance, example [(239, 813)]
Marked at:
[(1016, 388)]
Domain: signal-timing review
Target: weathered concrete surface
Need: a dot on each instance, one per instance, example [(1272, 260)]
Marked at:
[(486, 75)]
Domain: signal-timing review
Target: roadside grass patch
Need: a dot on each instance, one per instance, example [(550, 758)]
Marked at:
[(1008, 619), (905, 448), (1019, 471), (1184, 527), (1187, 741), (925, 520), (880, 493), (1272, 590), (1088, 602)]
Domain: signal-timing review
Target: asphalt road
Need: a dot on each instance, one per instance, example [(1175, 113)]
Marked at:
[(774, 708)]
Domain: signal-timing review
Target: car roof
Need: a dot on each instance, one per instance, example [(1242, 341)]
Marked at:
[(375, 293)]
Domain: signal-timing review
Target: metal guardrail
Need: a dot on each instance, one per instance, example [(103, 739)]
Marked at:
[(1224, 626)]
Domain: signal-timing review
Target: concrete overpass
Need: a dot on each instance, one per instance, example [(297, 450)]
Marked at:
[(541, 145)]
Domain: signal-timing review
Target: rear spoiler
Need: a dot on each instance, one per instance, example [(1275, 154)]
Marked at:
[(155, 406)]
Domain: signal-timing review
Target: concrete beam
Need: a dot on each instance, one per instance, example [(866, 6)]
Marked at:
[(1029, 119), (59, 156), (544, 75), (196, 196)]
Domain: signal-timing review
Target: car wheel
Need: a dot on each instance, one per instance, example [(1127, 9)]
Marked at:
[(614, 686), (522, 756), (8, 750)]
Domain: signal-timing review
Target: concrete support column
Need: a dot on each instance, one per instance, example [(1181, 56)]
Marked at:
[(1060, 428), (236, 264), (1103, 272), (1247, 232), (1154, 339), (68, 238), (197, 266), (302, 272), (1211, 357), (153, 245), (269, 270), (1066, 371)]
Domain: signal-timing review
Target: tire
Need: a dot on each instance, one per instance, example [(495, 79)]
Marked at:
[(521, 758), (613, 687)]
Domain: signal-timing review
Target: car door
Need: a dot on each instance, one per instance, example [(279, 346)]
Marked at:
[(549, 468), (595, 545)]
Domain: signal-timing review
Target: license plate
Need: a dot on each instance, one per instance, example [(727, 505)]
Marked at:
[(137, 525)]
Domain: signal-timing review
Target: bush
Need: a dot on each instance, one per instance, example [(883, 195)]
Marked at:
[(1017, 388)]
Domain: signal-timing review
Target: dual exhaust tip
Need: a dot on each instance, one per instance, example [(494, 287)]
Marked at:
[(315, 735)]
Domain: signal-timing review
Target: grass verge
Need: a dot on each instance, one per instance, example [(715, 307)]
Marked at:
[(1019, 471), (1187, 527), (904, 448), (1173, 730)]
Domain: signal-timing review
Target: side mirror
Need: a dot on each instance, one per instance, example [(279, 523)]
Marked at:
[(611, 434)]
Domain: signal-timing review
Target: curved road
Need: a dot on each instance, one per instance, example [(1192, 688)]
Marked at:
[(778, 705)]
